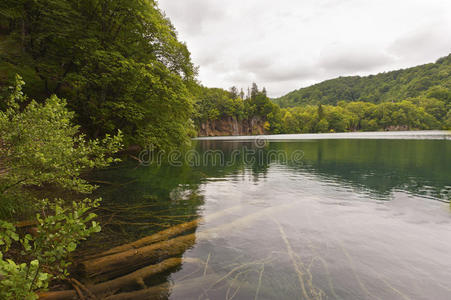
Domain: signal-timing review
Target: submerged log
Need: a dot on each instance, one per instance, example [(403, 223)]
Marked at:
[(110, 266), (162, 291), (167, 233), (135, 279), (194, 288), (154, 238), (154, 293), (117, 264), (163, 235)]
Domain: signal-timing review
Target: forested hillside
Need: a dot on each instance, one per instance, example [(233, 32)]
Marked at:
[(218, 109), (254, 111), (413, 99), (392, 86), (410, 99), (118, 64)]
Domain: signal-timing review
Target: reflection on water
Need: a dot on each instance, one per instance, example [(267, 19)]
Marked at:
[(356, 219)]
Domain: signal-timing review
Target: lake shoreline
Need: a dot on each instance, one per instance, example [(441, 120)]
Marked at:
[(402, 135)]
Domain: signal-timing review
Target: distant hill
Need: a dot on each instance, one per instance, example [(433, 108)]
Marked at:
[(388, 86)]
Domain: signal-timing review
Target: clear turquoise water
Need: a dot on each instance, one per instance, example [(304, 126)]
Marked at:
[(347, 219)]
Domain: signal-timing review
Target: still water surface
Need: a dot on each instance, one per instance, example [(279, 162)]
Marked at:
[(348, 219)]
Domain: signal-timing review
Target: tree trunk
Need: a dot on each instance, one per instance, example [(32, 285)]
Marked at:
[(188, 287), (154, 293), (157, 237), (135, 279), (165, 234), (117, 264), (107, 267)]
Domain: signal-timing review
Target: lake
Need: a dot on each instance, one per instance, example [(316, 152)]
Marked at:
[(294, 217)]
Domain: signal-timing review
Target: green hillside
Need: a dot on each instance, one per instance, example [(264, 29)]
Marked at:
[(392, 86)]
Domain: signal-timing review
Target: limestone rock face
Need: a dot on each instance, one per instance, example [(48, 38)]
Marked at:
[(231, 127)]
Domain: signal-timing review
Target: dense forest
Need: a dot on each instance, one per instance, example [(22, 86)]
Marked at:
[(392, 86), (411, 99), (118, 64), (414, 98)]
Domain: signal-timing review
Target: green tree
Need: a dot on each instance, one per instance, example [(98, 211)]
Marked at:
[(291, 123), (254, 91), (234, 92), (337, 119), (322, 126), (320, 112), (119, 64), (40, 147), (448, 121)]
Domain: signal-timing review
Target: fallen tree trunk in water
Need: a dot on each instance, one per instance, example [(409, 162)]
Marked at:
[(135, 279), (154, 238), (117, 264), (155, 293), (165, 234), (194, 288), (162, 291), (110, 266)]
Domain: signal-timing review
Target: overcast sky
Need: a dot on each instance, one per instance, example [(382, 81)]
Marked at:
[(287, 44)]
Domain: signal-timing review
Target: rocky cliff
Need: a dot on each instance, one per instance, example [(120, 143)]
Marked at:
[(230, 126)]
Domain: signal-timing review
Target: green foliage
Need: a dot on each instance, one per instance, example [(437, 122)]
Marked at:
[(322, 126), (18, 280), (362, 116), (215, 103), (59, 233), (8, 235), (21, 280), (210, 102), (40, 146), (431, 80), (448, 121), (389, 101), (119, 64), (415, 98)]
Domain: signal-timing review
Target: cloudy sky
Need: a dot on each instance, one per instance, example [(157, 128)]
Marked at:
[(287, 44)]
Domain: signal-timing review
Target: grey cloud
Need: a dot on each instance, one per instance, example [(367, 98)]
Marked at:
[(352, 59), (194, 14), (240, 78), (327, 4), (430, 42), (254, 64), (280, 73), (266, 68), (207, 60), (285, 46)]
